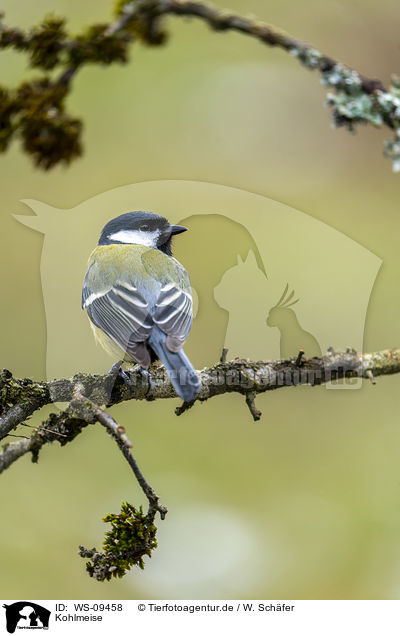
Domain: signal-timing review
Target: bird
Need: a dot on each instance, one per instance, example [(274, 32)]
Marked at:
[(138, 297)]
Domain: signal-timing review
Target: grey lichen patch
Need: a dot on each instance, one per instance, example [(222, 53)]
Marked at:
[(342, 78), (390, 103), (351, 110), (355, 100), (309, 57), (384, 362), (392, 151), (350, 104), (353, 105)]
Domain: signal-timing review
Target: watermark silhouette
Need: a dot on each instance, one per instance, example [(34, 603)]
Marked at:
[(242, 252)]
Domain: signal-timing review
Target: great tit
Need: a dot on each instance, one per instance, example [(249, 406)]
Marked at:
[(138, 296)]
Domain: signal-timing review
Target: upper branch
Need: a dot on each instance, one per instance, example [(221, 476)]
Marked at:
[(36, 110), (222, 20)]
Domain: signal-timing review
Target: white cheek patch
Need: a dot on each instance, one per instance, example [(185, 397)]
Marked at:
[(136, 237)]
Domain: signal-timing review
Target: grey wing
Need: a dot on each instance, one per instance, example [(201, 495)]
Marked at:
[(173, 314), (123, 314)]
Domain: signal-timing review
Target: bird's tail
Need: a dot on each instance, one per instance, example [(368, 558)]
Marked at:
[(179, 368)]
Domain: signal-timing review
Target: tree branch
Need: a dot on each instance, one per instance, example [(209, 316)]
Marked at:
[(223, 20), (245, 377), (133, 533), (37, 109), (81, 407)]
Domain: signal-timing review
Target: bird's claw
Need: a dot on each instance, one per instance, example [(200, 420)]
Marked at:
[(145, 376), (117, 370)]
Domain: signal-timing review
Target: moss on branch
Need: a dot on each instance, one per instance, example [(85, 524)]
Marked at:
[(36, 111), (133, 534)]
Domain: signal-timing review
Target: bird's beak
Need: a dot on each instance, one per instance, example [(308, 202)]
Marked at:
[(177, 229)]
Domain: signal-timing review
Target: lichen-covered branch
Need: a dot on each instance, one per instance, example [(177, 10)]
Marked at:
[(133, 533), (245, 377), (36, 111)]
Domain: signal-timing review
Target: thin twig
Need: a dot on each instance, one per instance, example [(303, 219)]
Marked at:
[(21, 436), (299, 357), (124, 444), (224, 353), (11, 452), (370, 376), (48, 430), (17, 414), (250, 401)]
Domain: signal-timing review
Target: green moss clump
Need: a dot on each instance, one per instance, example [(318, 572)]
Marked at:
[(95, 46), (48, 133), (46, 43), (7, 111)]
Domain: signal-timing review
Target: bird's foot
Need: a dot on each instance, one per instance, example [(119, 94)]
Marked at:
[(146, 377), (117, 370)]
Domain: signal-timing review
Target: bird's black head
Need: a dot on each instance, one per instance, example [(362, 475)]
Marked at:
[(140, 228)]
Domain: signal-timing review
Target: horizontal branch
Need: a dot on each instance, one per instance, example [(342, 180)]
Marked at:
[(133, 533), (356, 98), (245, 377)]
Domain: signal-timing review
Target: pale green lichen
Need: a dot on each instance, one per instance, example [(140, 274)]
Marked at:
[(352, 105), (349, 110), (390, 102), (392, 150), (310, 58), (343, 78)]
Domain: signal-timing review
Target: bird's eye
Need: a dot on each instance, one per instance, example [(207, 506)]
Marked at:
[(144, 227)]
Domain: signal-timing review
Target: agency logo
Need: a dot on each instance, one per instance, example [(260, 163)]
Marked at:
[(267, 279), (26, 615)]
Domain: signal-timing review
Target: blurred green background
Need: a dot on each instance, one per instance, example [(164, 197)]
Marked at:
[(306, 502)]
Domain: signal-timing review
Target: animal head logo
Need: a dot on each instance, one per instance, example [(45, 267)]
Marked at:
[(26, 615)]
